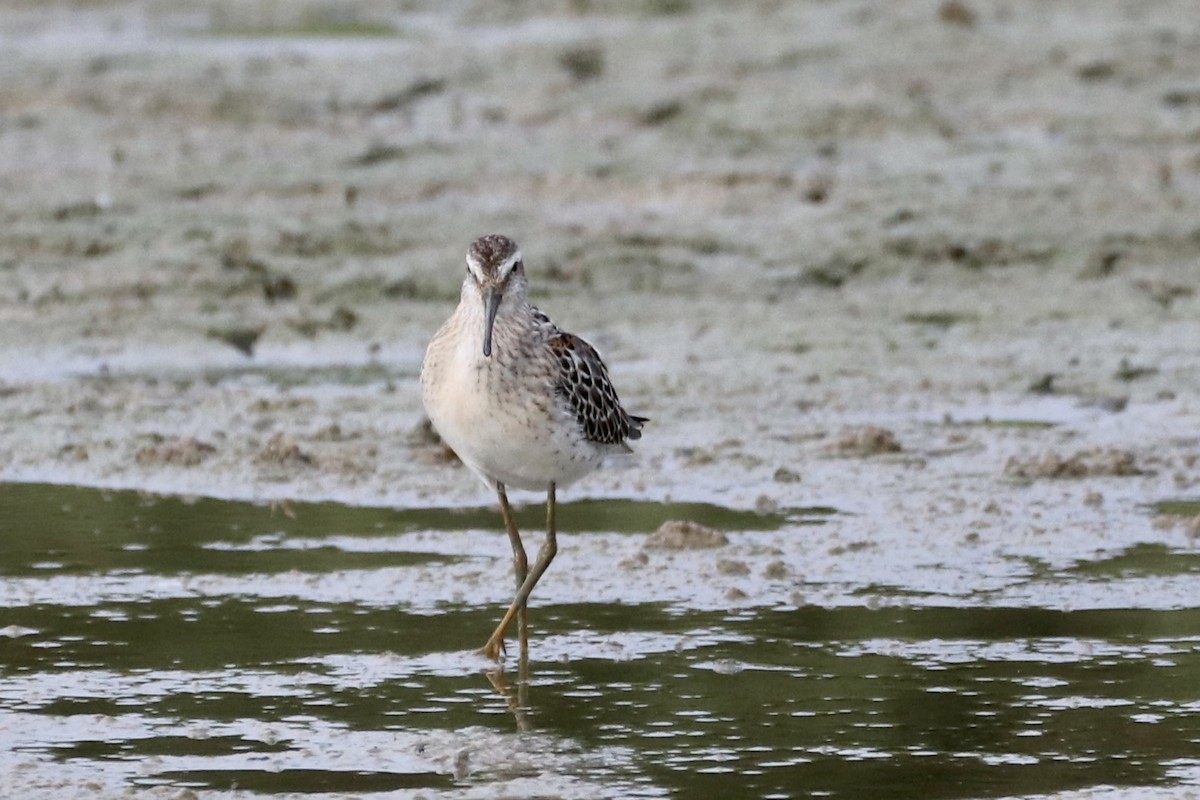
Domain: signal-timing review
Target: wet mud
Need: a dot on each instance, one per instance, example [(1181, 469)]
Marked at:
[(158, 646), (908, 291)]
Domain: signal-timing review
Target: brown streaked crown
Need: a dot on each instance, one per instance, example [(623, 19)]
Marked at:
[(489, 254)]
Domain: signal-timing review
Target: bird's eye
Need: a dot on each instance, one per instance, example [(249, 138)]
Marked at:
[(520, 267)]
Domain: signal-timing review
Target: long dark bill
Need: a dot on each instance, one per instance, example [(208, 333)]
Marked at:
[(491, 304)]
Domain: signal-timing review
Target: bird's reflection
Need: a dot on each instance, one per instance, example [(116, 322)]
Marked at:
[(517, 695)]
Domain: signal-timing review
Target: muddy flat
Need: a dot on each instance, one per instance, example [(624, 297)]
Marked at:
[(907, 290)]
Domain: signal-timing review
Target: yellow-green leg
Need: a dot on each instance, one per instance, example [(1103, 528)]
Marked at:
[(520, 570), (495, 644)]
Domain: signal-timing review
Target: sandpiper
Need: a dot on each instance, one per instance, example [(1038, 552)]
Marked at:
[(521, 402)]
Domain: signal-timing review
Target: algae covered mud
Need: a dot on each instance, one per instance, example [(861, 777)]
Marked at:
[(160, 646), (907, 289)]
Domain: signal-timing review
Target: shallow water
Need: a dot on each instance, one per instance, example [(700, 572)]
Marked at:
[(205, 644)]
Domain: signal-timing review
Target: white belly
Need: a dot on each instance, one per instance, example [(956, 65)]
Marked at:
[(505, 425)]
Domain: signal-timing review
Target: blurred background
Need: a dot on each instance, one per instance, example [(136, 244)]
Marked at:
[(907, 289), (803, 204)]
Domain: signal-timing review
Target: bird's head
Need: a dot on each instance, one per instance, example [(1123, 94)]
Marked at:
[(494, 273)]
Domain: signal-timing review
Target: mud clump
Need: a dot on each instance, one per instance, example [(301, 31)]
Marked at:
[(685, 535), (583, 63), (283, 449), (342, 319), (184, 452), (1097, 462), (869, 440), (785, 475), (240, 338), (728, 566), (954, 12), (776, 570), (765, 504), (1190, 525), (428, 448)]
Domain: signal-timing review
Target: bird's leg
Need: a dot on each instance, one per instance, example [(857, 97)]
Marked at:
[(520, 565), (523, 683), (545, 555)]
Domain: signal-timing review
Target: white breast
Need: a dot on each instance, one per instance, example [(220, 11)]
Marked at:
[(501, 415)]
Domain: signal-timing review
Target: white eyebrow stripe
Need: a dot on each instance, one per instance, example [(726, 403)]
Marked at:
[(505, 267)]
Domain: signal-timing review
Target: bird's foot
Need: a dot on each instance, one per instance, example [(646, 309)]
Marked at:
[(494, 649)]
